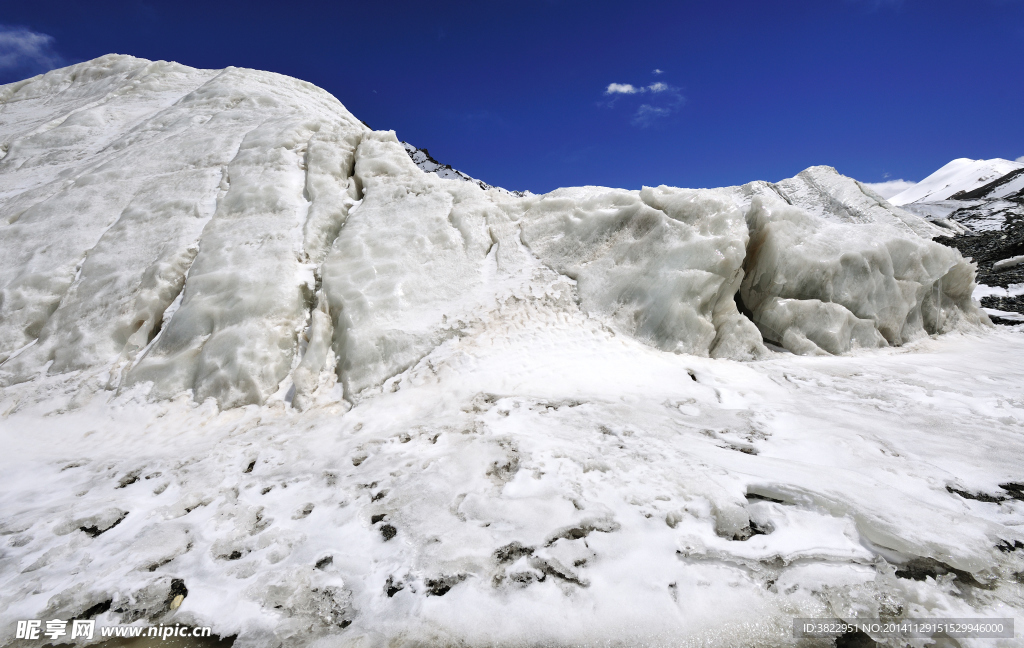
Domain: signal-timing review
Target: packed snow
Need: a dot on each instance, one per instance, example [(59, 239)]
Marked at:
[(254, 352)]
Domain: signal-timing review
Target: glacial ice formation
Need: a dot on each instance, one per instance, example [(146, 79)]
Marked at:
[(205, 216), (254, 354), (661, 264), (840, 285)]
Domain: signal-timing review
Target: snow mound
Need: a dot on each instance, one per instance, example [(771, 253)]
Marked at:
[(414, 262), (960, 175), (210, 182)]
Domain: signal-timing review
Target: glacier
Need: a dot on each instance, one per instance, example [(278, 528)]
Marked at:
[(338, 393)]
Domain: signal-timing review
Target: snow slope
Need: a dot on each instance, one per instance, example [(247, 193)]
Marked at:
[(538, 479), (960, 175), (254, 352)]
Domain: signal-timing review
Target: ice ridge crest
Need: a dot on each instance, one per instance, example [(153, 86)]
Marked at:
[(234, 233)]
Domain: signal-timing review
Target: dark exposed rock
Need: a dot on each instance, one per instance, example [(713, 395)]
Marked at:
[(94, 610), (442, 584), (392, 587), (512, 552), (324, 562), (1008, 547), (920, 569), (1015, 490), (981, 497), (97, 529)]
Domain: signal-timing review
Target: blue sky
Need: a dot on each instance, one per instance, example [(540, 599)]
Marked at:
[(517, 94)]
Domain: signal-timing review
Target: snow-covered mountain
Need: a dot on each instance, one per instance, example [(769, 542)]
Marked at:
[(985, 200), (333, 392), (956, 178), (425, 162)]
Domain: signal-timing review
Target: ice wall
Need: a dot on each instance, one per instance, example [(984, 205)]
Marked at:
[(410, 262), (223, 177), (814, 285), (235, 233), (82, 150), (661, 264)]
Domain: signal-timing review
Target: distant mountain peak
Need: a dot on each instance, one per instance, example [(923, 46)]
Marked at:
[(957, 176)]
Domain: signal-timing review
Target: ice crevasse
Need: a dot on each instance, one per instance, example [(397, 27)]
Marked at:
[(234, 232)]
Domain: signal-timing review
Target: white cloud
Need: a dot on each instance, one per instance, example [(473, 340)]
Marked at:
[(1020, 159), (629, 88), (621, 88), (889, 188), (662, 100), (657, 71), (24, 50)]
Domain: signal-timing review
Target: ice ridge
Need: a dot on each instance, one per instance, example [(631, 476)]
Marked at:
[(232, 233)]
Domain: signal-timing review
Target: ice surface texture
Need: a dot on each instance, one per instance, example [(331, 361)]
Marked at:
[(815, 286), (254, 355), (224, 178), (661, 264)]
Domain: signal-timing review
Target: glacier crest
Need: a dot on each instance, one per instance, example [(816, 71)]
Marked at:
[(233, 233)]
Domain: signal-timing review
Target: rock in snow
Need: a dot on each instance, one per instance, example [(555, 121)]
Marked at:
[(317, 388)]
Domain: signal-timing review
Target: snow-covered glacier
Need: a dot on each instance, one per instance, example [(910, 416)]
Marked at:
[(335, 393)]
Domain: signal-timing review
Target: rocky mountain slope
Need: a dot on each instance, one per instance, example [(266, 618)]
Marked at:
[(332, 392)]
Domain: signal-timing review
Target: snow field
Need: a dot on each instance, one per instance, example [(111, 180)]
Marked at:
[(538, 479)]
